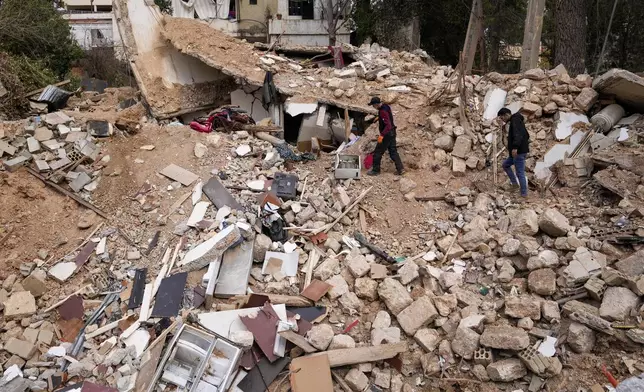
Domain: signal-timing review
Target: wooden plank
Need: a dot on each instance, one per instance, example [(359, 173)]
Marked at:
[(299, 341), (311, 374), (343, 384), (353, 356), (363, 221)]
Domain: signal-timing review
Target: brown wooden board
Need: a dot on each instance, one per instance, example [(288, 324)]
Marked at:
[(311, 374)]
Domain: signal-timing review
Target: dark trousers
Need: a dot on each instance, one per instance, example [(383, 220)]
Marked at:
[(388, 144)]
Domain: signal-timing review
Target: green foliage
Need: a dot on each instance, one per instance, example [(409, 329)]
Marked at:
[(33, 74), (34, 29), (164, 5)]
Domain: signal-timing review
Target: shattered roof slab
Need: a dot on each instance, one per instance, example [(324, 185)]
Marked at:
[(240, 60), (627, 87)]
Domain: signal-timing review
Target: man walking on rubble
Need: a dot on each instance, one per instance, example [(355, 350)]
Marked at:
[(387, 138), (518, 147)]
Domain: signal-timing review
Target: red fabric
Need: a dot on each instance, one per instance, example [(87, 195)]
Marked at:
[(368, 161), (203, 128)]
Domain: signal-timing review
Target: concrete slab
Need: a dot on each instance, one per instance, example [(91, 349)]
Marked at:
[(493, 102), (565, 123), (234, 270), (625, 86)]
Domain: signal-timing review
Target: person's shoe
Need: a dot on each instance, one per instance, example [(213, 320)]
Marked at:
[(401, 172), (372, 173), (511, 187)]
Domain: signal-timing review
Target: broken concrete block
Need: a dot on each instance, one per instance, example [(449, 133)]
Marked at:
[(407, 185), (462, 147), (581, 339), (506, 270), (458, 167), (543, 281), (595, 288), (431, 365), (394, 295), (473, 321), (445, 304), (408, 272), (21, 348), (43, 133), (632, 265), (505, 337), (617, 303), (523, 306), (30, 335), (540, 364), (507, 370), (388, 335), (357, 264), (80, 181), (262, 245), (416, 315), (545, 259), (382, 320), (586, 99), (636, 335), (366, 288), (483, 356), (20, 304), (351, 302), (427, 338), (320, 336), (42, 165), (465, 342), (339, 287), (33, 145), (382, 377), (46, 337), (357, 380), (327, 269), (553, 223), (449, 279), (14, 164)]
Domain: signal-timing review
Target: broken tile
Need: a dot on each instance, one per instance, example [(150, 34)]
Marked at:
[(179, 174)]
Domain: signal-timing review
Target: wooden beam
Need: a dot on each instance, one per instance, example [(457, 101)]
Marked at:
[(354, 356), (40, 90), (298, 340)]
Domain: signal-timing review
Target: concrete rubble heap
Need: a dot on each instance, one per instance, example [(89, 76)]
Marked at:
[(489, 292)]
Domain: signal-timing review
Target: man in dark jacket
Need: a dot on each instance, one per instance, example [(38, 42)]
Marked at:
[(518, 147), (387, 138)]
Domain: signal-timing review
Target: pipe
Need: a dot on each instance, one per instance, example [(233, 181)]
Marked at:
[(608, 117)]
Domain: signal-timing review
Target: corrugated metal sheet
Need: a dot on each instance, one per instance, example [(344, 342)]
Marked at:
[(55, 97), (210, 9), (183, 9)]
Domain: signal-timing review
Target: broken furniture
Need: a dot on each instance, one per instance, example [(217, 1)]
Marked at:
[(197, 361)]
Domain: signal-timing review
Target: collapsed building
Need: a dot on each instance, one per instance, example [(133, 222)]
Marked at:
[(259, 272)]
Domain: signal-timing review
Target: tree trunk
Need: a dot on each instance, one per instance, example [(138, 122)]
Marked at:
[(495, 37), (570, 35), (532, 35), (473, 35), (331, 22)]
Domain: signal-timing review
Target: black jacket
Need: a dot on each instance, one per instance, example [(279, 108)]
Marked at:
[(518, 137)]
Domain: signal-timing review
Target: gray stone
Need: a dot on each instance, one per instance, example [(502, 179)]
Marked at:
[(465, 342), (581, 339), (394, 295), (408, 272), (382, 378), (444, 142), (351, 302), (458, 167), (327, 269), (506, 370), (431, 364), (407, 185), (524, 222), (480, 373), (339, 287), (545, 259), (505, 337), (320, 336), (553, 223), (21, 348), (632, 265), (636, 335), (43, 133), (511, 247), (262, 245), (333, 244), (525, 323), (550, 311), (449, 279), (427, 338), (473, 321), (474, 238), (416, 315), (534, 74), (617, 303), (341, 341), (80, 181), (445, 304), (523, 306), (506, 270), (382, 320), (542, 281), (466, 297), (357, 380), (462, 147), (366, 288), (586, 99)]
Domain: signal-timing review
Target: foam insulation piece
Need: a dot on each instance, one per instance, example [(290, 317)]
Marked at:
[(565, 123), (493, 102)]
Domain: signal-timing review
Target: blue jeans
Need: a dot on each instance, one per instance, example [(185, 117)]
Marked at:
[(519, 164)]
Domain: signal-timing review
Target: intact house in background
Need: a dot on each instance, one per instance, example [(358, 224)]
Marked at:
[(92, 24), (293, 22)]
